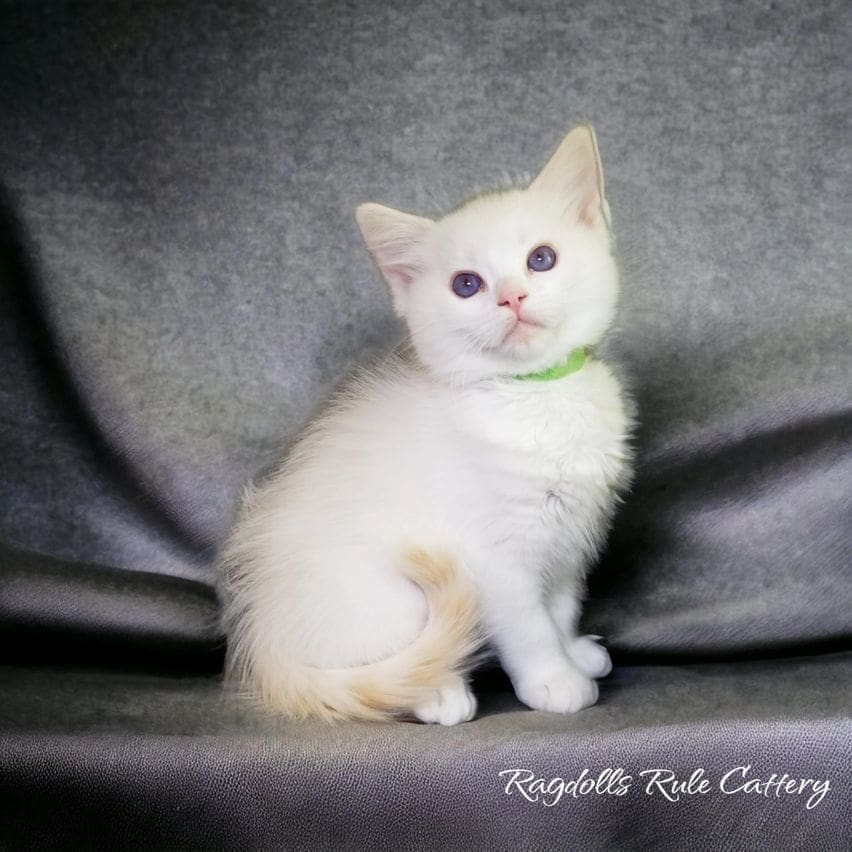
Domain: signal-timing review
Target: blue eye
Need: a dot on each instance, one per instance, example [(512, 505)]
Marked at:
[(541, 259), (467, 284)]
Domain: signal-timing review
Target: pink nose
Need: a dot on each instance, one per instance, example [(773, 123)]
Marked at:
[(513, 300)]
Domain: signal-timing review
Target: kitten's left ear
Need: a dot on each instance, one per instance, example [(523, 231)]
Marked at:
[(574, 176), (395, 240)]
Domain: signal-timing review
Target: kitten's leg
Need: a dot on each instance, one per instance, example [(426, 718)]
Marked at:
[(564, 604), (529, 645), (450, 705)]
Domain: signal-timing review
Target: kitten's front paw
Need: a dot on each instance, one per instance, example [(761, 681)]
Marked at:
[(589, 657), (449, 705), (564, 691)]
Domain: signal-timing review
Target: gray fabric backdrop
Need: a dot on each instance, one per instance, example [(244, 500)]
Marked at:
[(183, 282)]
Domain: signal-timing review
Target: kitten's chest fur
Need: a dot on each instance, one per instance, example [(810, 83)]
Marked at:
[(550, 457)]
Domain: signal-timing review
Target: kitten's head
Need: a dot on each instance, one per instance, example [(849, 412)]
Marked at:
[(511, 282)]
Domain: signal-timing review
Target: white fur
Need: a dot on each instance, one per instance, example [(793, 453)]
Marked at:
[(447, 452)]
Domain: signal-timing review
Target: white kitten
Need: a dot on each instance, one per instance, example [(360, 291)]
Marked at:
[(455, 495)]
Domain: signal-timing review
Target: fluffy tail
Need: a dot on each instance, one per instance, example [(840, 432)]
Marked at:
[(445, 649)]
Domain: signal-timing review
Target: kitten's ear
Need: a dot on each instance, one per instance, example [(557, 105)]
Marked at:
[(574, 176), (395, 240)]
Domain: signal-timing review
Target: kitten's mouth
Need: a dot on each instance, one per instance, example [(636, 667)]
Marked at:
[(521, 329)]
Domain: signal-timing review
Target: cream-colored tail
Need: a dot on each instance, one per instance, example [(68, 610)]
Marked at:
[(392, 687)]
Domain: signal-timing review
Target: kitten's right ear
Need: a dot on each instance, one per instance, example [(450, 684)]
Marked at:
[(395, 241)]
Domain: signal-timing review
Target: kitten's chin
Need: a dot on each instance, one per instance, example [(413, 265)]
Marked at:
[(532, 349), (523, 332), (524, 340)]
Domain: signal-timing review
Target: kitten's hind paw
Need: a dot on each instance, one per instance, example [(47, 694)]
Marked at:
[(449, 705), (589, 657)]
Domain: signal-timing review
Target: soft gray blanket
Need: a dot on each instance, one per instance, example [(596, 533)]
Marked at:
[(181, 283)]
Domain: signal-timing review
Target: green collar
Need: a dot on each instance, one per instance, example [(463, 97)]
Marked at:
[(571, 364)]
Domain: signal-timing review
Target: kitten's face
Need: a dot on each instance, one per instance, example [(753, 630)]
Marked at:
[(511, 282)]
